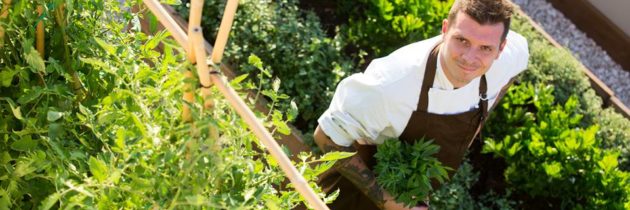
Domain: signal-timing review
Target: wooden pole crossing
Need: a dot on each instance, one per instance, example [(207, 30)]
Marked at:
[(208, 77)]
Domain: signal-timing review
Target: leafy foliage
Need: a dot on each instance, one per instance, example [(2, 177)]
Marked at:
[(293, 44), (406, 171), (118, 142), (553, 66), (550, 155), (381, 26), (455, 193)]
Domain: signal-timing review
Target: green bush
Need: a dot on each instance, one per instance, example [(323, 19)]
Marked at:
[(550, 65), (455, 194), (291, 42), (382, 26), (615, 132), (406, 171), (549, 155), (123, 145)]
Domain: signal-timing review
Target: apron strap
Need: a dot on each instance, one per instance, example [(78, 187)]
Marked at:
[(429, 77)]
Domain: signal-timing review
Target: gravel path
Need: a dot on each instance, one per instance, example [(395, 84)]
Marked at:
[(582, 47)]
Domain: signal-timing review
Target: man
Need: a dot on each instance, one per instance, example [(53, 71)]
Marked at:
[(439, 88)]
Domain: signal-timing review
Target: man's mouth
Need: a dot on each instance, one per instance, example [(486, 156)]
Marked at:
[(467, 68)]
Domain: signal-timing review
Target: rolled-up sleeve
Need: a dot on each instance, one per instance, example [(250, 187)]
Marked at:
[(356, 111)]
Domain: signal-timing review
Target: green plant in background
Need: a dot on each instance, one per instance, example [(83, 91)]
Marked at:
[(455, 194), (550, 65), (406, 171), (293, 45), (381, 26), (123, 145), (549, 155)]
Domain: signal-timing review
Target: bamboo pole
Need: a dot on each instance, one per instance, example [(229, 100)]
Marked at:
[(40, 31), (224, 30), (194, 20), (3, 15), (241, 108)]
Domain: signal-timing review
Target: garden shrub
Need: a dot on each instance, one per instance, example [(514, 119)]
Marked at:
[(291, 42), (615, 132), (550, 155), (455, 194), (550, 65), (382, 26), (123, 144)]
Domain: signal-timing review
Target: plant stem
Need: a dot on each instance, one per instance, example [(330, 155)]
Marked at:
[(77, 87)]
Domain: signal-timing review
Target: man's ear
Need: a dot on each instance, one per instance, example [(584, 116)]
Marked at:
[(501, 46), (444, 26)]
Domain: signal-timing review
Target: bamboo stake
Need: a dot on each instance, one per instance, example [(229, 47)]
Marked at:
[(224, 30), (194, 20), (259, 130), (3, 15), (202, 66), (40, 32)]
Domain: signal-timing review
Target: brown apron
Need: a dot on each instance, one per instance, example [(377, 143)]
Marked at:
[(453, 133)]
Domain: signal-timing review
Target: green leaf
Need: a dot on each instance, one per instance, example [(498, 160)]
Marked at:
[(26, 143), (281, 126), (54, 116), (155, 40), (50, 201), (335, 156), (255, 61), (16, 110), (239, 79), (553, 169), (99, 169), (94, 62), (111, 50), (609, 162), (276, 84), (33, 58), (30, 95), (5, 200), (6, 77), (293, 111), (5, 157)]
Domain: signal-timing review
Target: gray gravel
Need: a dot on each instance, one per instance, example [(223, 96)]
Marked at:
[(582, 47)]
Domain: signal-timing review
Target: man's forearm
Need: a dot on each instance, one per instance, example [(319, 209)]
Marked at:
[(353, 169)]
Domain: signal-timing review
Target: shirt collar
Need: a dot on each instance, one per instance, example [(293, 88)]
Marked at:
[(441, 81)]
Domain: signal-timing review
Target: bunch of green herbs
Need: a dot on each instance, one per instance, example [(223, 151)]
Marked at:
[(407, 170)]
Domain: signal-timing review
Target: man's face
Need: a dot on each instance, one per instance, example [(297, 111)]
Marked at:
[(469, 48)]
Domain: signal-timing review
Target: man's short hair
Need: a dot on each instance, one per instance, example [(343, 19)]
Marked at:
[(484, 12)]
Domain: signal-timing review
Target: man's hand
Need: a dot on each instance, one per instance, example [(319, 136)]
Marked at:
[(355, 170), (391, 204)]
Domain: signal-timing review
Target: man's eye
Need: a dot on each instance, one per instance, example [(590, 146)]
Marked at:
[(486, 49)]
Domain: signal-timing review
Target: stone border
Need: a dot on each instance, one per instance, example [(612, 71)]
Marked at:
[(601, 29)]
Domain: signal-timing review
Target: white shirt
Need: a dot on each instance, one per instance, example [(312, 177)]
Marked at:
[(377, 104)]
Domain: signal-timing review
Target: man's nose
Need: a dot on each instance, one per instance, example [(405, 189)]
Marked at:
[(469, 56)]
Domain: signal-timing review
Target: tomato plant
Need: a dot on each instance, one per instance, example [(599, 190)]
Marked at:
[(118, 141)]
